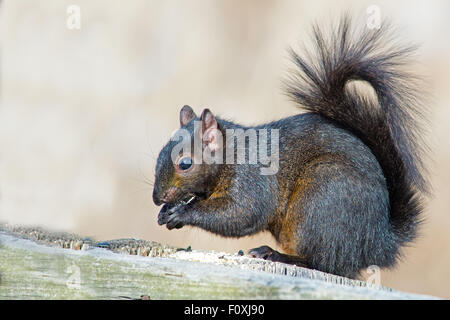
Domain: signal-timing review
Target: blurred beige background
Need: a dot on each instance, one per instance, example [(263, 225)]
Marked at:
[(84, 112)]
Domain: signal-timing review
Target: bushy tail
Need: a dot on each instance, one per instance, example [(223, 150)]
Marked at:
[(389, 124)]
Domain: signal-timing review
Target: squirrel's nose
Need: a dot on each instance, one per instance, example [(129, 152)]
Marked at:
[(164, 196), (157, 196)]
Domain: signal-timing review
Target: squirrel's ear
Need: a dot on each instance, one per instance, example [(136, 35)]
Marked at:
[(210, 130), (208, 120), (186, 115)]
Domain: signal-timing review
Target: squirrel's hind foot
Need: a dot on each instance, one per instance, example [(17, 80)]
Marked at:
[(269, 254)]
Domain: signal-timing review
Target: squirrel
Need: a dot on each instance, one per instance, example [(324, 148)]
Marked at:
[(349, 189)]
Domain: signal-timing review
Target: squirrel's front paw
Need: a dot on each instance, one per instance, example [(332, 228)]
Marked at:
[(163, 215), (176, 220), (173, 216)]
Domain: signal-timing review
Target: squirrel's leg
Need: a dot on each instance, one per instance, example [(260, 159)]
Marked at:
[(267, 253), (287, 235)]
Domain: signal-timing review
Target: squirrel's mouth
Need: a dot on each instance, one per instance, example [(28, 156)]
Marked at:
[(189, 199), (185, 201)]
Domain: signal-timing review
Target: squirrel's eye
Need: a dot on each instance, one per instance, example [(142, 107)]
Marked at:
[(185, 163)]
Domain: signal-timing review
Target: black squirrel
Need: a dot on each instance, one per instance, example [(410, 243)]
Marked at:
[(350, 183)]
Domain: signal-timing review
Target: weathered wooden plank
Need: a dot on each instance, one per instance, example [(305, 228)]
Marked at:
[(44, 270)]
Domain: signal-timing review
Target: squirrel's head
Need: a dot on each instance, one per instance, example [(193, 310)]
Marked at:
[(181, 172)]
